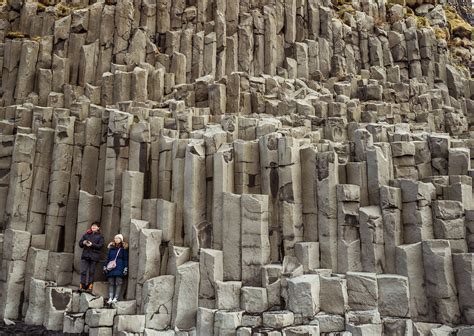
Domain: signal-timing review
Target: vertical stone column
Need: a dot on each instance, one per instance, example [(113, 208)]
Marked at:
[(139, 82), (222, 182), (217, 99), (309, 190), (10, 68), (255, 242), (290, 195), (379, 169), (36, 264), (157, 301), (90, 155), (177, 190), (149, 259), (232, 54), (156, 83), (131, 200), (198, 56), (178, 67), (448, 223), (165, 219), (439, 147), (231, 236), (258, 63), (328, 178), (177, 256), (441, 288), (403, 154), (290, 21), (140, 149), (211, 268), (186, 294), (246, 42), (163, 19), (270, 42), (463, 270), (134, 256), (74, 186), (416, 211), (372, 239), (348, 230), (26, 69), (15, 252), (423, 159), (165, 168), (409, 263), (156, 126), (470, 229), (88, 58), (357, 174), (101, 173), (44, 81), (88, 212), (124, 12), (21, 180), (194, 214), (247, 168), (301, 56), (221, 40), (391, 205), (121, 86), (233, 94), (186, 48), (116, 162), (59, 182), (270, 184), (209, 55), (75, 43), (7, 142)]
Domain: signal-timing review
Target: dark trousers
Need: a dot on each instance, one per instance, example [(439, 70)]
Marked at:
[(115, 286), (87, 271)]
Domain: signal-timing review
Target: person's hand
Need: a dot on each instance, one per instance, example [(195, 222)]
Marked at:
[(125, 271), (104, 269), (88, 243)]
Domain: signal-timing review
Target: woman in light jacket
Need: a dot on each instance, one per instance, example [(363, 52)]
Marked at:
[(118, 255)]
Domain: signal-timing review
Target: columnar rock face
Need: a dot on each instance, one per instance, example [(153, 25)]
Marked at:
[(283, 167)]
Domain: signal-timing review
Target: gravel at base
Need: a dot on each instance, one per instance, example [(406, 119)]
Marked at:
[(22, 329)]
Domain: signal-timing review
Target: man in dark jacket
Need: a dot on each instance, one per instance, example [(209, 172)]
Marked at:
[(91, 242)]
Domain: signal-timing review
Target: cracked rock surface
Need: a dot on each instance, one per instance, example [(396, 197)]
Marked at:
[(278, 167)]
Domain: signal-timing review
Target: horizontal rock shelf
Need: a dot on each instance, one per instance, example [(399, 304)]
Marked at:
[(278, 167)]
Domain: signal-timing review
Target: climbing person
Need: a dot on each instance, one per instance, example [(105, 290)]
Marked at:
[(116, 267), (91, 243)]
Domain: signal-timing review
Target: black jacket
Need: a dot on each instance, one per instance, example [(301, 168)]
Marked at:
[(92, 252)]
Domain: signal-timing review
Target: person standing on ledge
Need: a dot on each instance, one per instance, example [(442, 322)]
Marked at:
[(91, 243), (116, 267)]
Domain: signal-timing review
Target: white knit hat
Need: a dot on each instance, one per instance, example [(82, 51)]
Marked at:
[(119, 236)]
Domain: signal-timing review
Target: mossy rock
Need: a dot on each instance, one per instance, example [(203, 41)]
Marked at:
[(457, 25), (345, 9), (460, 28), (62, 10), (441, 33), (15, 35), (49, 2), (396, 2), (40, 7), (422, 22)]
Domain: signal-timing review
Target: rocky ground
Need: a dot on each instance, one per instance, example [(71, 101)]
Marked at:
[(23, 329), (278, 167)]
